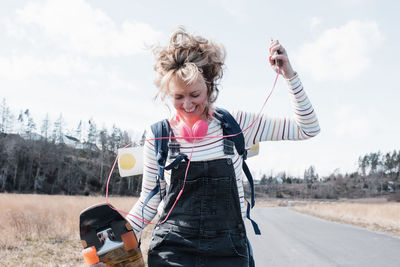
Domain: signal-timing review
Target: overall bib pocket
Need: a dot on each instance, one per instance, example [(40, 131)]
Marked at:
[(239, 244), (159, 236)]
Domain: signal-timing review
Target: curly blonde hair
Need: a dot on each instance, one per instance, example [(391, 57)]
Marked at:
[(187, 57)]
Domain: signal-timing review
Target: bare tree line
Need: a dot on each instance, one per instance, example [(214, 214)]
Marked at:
[(378, 174), (58, 160)]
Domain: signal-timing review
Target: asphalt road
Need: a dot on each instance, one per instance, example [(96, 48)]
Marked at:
[(289, 238)]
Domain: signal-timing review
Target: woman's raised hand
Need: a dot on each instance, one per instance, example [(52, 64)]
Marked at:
[(278, 54)]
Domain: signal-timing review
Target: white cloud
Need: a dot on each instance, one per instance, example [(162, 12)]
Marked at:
[(315, 22), (235, 8), (74, 26), (19, 67), (59, 61), (341, 53), (351, 122), (352, 3)]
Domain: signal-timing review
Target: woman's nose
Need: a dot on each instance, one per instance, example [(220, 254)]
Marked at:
[(187, 104)]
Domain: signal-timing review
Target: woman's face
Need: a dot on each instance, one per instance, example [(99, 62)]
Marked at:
[(189, 101)]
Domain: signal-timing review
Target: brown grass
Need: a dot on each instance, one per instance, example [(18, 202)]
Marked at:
[(271, 203), (43, 230), (375, 215)]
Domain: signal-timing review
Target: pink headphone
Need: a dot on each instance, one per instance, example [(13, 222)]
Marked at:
[(198, 130)]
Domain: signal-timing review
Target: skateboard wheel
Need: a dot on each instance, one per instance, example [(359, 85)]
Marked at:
[(90, 256), (129, 240)]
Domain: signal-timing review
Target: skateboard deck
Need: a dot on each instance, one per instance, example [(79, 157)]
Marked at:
[(108, 237)]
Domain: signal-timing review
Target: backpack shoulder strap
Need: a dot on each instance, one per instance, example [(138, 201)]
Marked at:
[(161, 130), (231, 127)]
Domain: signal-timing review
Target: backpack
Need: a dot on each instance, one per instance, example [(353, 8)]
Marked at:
[(229, 127)]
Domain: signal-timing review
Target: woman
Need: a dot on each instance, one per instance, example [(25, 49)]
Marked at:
[(205, 227)]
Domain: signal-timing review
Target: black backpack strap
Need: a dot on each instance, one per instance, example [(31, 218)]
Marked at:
[(161, 130), (231, 127)]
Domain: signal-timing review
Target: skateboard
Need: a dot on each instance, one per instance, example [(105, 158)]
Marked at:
[(108, 237)]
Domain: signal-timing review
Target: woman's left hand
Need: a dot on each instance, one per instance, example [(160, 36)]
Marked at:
[(285, 69)]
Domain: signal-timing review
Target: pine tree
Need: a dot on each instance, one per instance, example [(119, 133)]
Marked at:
[(375, 161), (115, 139), (78, 131), (103, 142), (92, 134), (3, 108), (58, 131), (125, 139), (6, 117), (363, 164), (9, 126), (396, 156), (310, 175), (30, 125), (44, 130), (389, 163), (103, 136)]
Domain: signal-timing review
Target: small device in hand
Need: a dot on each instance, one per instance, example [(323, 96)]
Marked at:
[(278, 62)]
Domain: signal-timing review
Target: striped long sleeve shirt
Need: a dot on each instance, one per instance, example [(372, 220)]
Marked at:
[(302, 125)]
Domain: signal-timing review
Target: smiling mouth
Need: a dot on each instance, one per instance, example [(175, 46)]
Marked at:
[(190, 111)]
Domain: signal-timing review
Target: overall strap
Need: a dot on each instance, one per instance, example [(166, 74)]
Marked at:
[(230, 126)]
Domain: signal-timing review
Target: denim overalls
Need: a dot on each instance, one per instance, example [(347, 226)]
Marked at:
[(205, 228)]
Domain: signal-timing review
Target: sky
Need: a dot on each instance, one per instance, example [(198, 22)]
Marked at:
[(92, 60)]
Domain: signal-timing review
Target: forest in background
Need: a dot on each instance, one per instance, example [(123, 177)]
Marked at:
[(51, 159)]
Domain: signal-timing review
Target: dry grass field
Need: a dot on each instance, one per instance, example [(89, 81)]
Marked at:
[(43, 230), (378, 215)]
